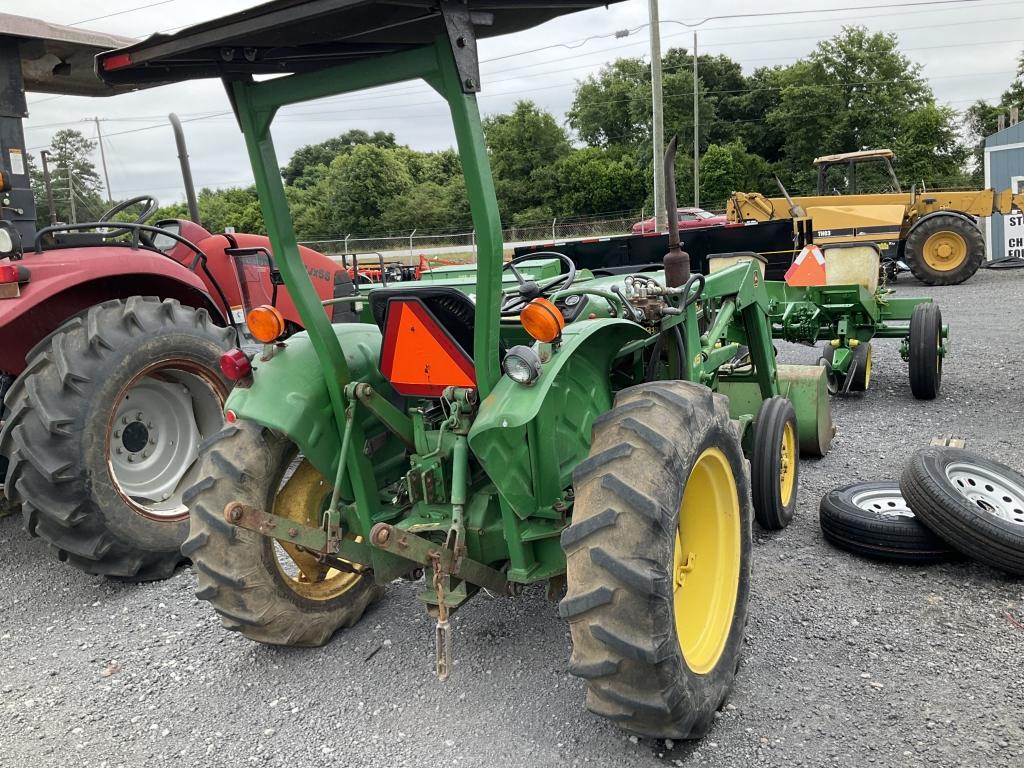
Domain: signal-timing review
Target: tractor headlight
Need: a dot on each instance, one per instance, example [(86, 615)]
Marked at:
[(522, 365)]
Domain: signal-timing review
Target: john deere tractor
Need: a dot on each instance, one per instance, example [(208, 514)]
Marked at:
[(524, 424)]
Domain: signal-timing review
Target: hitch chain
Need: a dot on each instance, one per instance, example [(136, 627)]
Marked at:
[(442, 632)]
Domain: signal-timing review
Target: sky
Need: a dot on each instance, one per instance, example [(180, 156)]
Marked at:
[(968, 50)]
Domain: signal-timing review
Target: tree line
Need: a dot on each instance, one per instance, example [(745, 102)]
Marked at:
[(854, 91)]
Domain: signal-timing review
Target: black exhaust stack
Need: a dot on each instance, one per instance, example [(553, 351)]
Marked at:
[(186, 168), (677, 261)]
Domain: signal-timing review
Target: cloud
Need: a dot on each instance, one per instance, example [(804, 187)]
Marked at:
[(967, 51)]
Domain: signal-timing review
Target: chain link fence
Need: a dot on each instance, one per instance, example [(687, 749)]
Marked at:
[(411, 244)]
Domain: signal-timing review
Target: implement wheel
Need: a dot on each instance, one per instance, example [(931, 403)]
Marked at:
[(658, 560), (103, 431), (775, 464), (268, 591), (926, 351), (944, 250)]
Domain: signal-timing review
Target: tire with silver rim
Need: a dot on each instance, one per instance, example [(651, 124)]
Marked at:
[(104, 431), (873, 520), (975, 504)]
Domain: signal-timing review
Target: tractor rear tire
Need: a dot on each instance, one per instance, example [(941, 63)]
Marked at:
[(658, 560), (775, 464), (69, 450), (925, 351), (257, 586), (945, 249)]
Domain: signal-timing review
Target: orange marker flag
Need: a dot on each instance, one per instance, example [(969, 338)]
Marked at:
[(808, 269)]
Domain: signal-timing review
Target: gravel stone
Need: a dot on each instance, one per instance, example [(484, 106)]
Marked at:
[(942, 680)]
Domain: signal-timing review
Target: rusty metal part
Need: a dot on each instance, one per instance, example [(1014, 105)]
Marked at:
[(442, 631), (423, 551)]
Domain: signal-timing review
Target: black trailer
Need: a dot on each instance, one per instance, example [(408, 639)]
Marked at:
[(772, 239)]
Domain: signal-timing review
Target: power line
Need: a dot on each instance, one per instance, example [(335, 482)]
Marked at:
[(121, 13)]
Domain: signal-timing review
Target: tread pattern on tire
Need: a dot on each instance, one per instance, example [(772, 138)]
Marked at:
[(42, 436), (913, 251), (953, 517), (619, 554), (894, 539), (766, 451), (241, 463), (925, 364)]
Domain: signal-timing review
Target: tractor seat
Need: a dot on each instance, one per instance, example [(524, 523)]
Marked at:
[(424, 366)]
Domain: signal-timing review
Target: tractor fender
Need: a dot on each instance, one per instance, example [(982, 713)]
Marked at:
[(530, 438), (67, 281), (288, 394), (967, 217)]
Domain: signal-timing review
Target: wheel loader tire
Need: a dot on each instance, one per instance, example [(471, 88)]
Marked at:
[(84, 465), (873, 520), (658, 560), (775, 464), (266, 591), (974, 504), (945, 249), (925, 351)]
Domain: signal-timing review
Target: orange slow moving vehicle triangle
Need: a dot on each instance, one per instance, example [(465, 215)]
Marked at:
[(418, 356), (808, 269)]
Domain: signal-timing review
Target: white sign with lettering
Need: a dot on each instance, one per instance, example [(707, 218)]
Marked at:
[(1013, 226)]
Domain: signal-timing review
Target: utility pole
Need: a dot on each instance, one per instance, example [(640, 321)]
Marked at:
[(657, 120), (71, 193), (49, 190), (103, 157), (696, 131)]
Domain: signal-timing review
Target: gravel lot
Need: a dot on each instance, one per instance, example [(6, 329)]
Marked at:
[(848, 662)]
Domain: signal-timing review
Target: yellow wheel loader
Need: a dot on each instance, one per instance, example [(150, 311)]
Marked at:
[(935, 233)]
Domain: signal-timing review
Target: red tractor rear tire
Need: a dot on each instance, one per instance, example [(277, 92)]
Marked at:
[(103, 428)]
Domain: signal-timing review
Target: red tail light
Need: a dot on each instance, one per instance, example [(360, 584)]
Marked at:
[(12, 273), (235, 365), (117, 61)]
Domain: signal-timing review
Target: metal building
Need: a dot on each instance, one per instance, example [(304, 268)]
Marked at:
[(1004, 169)]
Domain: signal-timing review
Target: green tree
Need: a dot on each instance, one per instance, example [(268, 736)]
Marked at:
[(524, 146), (360, 186), (312, 155), (594, 180), (728, 168), (71, 171)]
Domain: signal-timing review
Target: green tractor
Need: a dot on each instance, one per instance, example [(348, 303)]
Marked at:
[(524, 423)]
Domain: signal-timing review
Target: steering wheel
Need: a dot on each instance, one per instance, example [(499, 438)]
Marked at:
[(528, 289), (142, 218)]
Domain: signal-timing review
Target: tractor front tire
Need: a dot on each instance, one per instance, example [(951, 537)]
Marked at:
[(775, 464), (269, 592), (925, 361), (103, 428), (658, 560), (945, 249)]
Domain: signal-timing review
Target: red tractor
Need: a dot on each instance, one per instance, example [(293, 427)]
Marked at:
[(111, 336)]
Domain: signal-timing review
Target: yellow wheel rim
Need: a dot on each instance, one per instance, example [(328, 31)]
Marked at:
[(867, 368), (787, 464), (945, 251), (303, 499), (706, 563)]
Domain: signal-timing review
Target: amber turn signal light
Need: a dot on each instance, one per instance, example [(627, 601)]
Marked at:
[(265, 323), (542, 320)]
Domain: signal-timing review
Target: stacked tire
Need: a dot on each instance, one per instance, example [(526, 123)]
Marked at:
[(949, 503)]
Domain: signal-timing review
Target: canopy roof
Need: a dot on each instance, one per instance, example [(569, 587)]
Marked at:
[(58, 59), (864, 154), (287, 36)]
